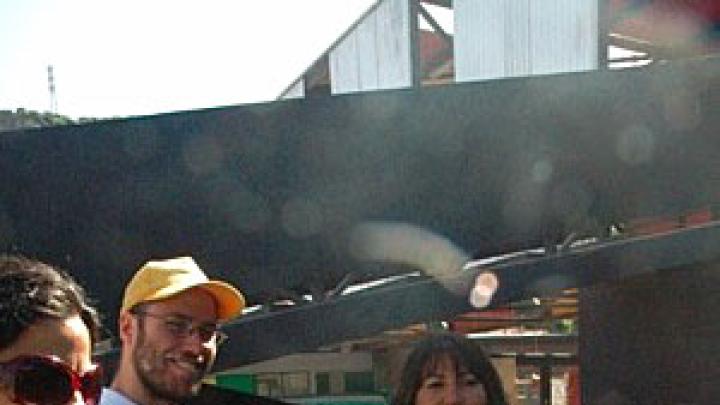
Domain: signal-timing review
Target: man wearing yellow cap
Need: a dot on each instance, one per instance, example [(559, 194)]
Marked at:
[(168, 326)]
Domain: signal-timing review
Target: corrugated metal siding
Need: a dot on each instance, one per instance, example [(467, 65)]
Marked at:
[(376, 54), (517, 61), (479, 26), (503, 38)]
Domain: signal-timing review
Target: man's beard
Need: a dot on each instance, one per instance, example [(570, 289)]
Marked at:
[(150, 369)]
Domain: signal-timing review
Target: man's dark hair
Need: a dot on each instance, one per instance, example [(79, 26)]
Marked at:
[(462, 352), (31, 291)]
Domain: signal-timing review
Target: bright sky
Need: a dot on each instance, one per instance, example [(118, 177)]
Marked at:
[(138, 57)]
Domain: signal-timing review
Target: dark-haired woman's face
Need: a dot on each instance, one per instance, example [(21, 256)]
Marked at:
[(68, 339), (448, 384)]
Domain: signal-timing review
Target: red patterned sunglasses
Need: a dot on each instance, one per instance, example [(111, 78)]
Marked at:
[(47, 380)]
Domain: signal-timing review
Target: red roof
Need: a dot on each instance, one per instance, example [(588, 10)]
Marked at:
[(668, 22)]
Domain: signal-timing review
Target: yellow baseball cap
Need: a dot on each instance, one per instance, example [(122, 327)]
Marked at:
[(160, 279)]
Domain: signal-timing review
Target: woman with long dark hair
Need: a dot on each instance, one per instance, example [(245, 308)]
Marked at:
[(446, 368)]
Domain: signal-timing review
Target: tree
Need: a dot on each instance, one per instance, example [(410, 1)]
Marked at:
[(22, 118)]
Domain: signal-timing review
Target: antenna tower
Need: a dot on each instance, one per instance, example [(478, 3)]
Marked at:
[(51, 89)]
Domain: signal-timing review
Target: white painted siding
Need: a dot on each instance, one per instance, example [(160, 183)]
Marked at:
[(296, 91), (504, 38), (565, 35), (376, 54)]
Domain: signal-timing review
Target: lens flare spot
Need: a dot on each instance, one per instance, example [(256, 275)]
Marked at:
[(635, 145)]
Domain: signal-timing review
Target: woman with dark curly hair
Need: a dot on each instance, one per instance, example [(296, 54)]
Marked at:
[(47, 330), (446, 368)]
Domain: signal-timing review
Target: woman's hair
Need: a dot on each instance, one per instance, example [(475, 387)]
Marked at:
[(462, 352), (31, 291)]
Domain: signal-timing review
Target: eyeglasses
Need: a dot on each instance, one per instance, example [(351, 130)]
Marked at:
[(182, 327), (48, 380)]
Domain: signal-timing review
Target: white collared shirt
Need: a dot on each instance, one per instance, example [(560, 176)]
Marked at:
[(111, 397)]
